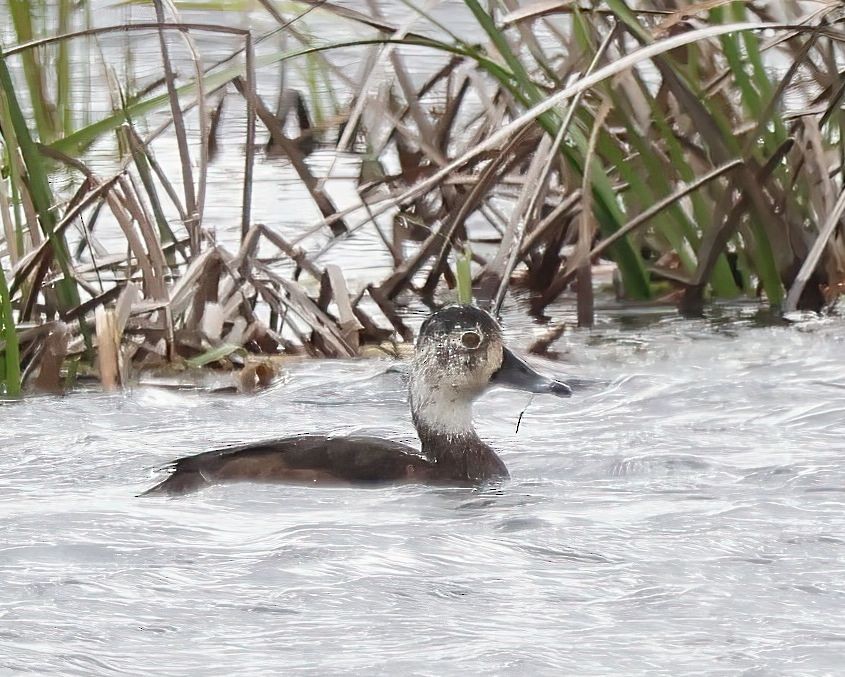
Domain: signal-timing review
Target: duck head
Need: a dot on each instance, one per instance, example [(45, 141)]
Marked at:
[(460, 353)]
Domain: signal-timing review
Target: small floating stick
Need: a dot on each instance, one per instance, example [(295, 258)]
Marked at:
[(521, 413)]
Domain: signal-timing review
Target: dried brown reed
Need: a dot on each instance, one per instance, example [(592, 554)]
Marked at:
[(667, 139)]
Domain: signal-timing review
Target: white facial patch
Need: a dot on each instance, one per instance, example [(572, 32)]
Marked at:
[(446, 376)]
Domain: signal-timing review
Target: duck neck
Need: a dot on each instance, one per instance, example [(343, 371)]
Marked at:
[(443, 419), (446, 435), (442, 415)]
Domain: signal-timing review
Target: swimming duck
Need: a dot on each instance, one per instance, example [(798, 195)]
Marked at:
[(459, 354)]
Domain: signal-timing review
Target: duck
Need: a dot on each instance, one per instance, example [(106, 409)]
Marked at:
[(459, 354)]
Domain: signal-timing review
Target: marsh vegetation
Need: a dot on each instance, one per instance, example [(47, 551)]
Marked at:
[(697, 147)]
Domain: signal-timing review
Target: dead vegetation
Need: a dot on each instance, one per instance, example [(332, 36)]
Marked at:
[(698, 146)]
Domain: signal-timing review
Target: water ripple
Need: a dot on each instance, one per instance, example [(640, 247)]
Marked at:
[(684, 518)]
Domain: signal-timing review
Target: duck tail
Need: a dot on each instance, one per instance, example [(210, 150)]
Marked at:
[(179, 483)]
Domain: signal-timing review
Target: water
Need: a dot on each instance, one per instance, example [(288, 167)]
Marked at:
[(686, 517)]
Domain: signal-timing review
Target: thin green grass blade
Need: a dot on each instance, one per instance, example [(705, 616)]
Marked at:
[(736, 61), (726, 139), (10, 148), (10, 376), (627, 17), (39, 190), (145, 173), (312, 75), (463, 275), (765, 267), (64, 95), (642, 193), (610, 217), (20, 11), (722, 279), (501, 44), (214, 355)]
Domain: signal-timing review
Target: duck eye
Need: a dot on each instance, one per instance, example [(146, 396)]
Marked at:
[(471, 339)]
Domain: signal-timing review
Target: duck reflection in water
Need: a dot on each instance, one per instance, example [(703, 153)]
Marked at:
[(459, 354)]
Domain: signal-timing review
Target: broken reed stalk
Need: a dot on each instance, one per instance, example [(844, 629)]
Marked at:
[(108, 349), (586, 226), (249, 152), (192, 223)]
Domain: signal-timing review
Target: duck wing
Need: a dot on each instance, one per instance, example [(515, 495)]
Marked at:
[(307, 459)]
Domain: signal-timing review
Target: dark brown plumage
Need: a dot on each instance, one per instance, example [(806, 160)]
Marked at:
[(459, 355), (317, 459)]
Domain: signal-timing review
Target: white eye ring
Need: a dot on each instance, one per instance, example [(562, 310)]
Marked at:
[(471, 340)]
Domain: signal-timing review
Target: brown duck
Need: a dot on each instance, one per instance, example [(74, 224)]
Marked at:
[(459, 354)]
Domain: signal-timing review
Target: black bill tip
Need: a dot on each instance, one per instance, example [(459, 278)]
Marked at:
[(559, 388), (517, 373)]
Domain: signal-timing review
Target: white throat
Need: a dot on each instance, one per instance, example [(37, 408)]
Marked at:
[(441, 409)]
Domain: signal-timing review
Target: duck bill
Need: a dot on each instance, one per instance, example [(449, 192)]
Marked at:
[(518, 374)]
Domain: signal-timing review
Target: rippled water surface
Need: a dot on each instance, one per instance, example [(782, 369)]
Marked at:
[(687, 516)]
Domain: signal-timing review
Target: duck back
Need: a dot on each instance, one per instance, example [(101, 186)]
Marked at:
[(306, 459)]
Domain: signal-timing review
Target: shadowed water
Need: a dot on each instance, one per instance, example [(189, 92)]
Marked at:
[(685, 518)]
